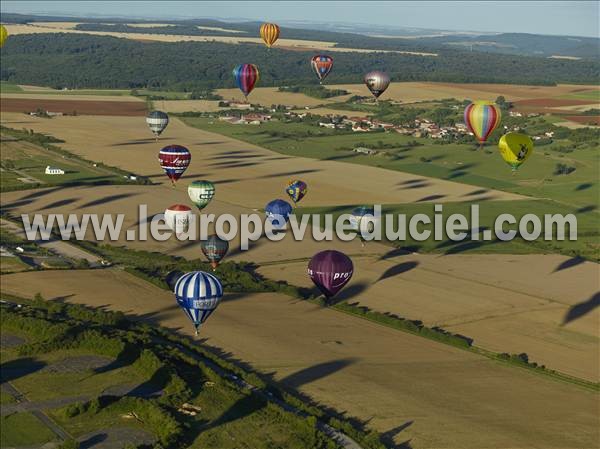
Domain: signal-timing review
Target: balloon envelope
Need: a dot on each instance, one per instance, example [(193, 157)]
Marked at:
[(178, 217), (330, 270), (278, 213), (214, 248), (269, 32), (198, 293), (482, 118), (296, 190), (174, 160), (201, 193), (515, 148), (246, 76), (3, 35), (322, 65), (377, 82), (157, 121)]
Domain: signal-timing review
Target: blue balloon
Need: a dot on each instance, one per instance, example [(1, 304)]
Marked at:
[(198, 294), (278, 212)]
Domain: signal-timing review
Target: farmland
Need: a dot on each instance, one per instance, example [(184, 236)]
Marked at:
[(514, 297)]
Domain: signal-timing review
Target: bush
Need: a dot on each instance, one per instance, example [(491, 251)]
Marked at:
[(563, 169)]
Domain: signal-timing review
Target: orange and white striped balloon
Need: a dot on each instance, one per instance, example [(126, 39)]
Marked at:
[(269, 33)]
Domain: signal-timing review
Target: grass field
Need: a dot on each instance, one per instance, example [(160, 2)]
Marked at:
[(370, 371), (23, 429), (456, 162), (9, 88), (28, 161)]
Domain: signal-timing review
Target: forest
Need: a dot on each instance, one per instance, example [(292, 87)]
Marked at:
[(85, 61)]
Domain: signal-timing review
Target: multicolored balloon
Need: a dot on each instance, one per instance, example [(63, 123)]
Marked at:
[(278, 213), (296, 190), (178, 217), (157, 121), (377, 82), (269, 33), (214, 248), (174, 160), (330, 270), (322, 65), (198, 293), (3, 35), (482, 118), (515, 148), (201, 193), (246, 76)]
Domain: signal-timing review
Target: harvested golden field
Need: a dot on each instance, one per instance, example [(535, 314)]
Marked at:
[(54, 95), (271, 95), (187, 105), (245, 174), (506, 303), (424, 91), (432, 395), (34, 28)]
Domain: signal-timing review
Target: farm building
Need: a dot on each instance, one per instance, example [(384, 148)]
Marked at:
[(54, 171)]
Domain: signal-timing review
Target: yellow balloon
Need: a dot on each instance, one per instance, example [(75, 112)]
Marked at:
[(515, 148), (3, 35)]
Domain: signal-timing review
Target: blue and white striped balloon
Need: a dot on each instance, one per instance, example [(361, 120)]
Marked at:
[(198, 294)]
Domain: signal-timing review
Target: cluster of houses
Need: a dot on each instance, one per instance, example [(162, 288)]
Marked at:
[(417, 128), (253, 118)]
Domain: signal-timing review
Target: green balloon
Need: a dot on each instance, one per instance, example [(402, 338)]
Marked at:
[(201, 192)]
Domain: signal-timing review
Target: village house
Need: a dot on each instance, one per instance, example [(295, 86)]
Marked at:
[(364, 150), (54, 171)]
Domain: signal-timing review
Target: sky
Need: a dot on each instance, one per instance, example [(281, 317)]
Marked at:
[(575, 18)]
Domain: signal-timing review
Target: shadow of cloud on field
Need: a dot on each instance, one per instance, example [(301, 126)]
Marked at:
[(583, 308)]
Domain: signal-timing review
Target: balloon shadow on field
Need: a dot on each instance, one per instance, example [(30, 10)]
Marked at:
[(476, 192), (430, 198), (394, 253), (60, 203), (348, 292), (457, 174), (398, 269), (581, 309), (15, 369), (235, 157), (570, 263), (135, 142), (108, 199), (586, 209), (254, 402), (584, 186), (291, 173)]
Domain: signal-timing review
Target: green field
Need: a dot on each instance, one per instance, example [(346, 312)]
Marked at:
[(8, 88), (23, 429), (456, 162), (593, 95), (588, 227)]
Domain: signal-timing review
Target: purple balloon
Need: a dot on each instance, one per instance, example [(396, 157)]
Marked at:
[(330, 271)]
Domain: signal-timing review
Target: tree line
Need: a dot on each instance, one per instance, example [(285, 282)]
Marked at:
[(86, 61)]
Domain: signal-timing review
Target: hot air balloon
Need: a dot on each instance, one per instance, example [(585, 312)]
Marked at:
[(482, 117), (198, 294), (174, 160), (278, 213), (515, 148), (157, 121), (245, 76), (214, 248), (178, 217), (330, 271), (322, 65), (201, 193), (3, 35), (362, 219), (269, 33), (296, 190), (377, 82)]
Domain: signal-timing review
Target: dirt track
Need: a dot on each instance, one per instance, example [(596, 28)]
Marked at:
[(440, 396), (74, 107)]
